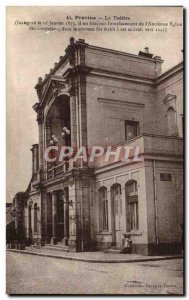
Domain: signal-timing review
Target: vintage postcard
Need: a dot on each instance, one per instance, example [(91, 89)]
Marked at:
[(95, 178)]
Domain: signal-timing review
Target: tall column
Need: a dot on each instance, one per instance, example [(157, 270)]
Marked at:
[(124, 213), (73, 117), (77, 86), (40, 126), (47, 139), (40, 146), (73, 121), (82, 98), (44, 200), (54, 217), (66, 216), (74, 127), (111, 214), (109, 209)]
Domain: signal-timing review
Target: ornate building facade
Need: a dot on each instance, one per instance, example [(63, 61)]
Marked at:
[(100, 97)]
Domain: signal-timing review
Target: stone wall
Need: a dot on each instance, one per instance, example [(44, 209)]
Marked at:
[(19, 202)]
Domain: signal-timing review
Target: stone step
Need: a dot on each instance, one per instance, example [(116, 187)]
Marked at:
[(57, 247), (112, 250)]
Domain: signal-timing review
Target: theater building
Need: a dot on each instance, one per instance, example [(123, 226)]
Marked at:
[(101, 97)]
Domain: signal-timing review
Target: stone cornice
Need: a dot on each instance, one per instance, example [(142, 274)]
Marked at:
[(70, 56), (121, 76), (79, 69), (138, 79), (120, 102), (126, 54), (144, 156), (169, 73)]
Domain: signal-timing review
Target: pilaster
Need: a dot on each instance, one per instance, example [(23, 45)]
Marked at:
[(81, 240), (54, 217)]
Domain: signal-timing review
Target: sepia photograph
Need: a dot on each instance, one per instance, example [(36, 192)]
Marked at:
[(95, 129)]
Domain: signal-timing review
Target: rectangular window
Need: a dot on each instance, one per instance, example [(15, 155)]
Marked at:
[(133, 215), (131, 129)]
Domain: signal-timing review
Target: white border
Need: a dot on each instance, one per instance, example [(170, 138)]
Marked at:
[(3, 5)]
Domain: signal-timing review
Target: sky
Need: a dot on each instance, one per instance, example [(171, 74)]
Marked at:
[(31, 54)]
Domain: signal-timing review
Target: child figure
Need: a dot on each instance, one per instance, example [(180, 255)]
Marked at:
[(126, 244)]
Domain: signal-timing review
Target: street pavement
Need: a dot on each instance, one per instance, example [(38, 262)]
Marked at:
[(97, 256), (30, 274)]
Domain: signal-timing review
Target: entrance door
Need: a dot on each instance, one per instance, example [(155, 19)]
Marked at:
[(49, 216), (60, 218), (117, 212)]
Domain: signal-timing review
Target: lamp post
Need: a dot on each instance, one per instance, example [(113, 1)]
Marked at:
[(53, 142), (65, 132)]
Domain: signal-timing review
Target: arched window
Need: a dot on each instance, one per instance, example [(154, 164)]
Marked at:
[(117, 200), (132, 205), (35, 217), (172, 127), (103, 209)]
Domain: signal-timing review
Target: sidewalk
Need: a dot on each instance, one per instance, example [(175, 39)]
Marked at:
[(94, 257)]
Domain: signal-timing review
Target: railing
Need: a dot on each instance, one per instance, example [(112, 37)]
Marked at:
[(56, 170), (36, 179), (148, 145), (166, 145)]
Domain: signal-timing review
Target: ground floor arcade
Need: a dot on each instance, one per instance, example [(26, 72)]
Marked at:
[(93, 211)]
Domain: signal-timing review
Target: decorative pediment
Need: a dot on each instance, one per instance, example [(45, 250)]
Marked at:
[(54, 87), (169, 98)]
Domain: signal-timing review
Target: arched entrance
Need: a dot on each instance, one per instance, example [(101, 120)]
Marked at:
[(116, 201), (58, 123)]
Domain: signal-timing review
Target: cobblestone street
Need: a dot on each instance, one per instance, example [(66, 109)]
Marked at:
[(28, 274)]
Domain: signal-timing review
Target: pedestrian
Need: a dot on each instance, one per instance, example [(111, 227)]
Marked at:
[(126, 244)]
